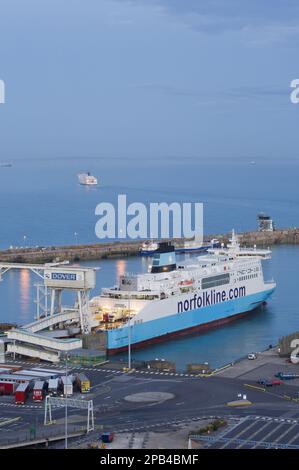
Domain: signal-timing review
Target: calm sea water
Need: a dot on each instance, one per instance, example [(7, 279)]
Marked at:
[(41, 200)]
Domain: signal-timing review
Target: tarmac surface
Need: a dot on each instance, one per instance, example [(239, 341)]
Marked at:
[(190, 399)]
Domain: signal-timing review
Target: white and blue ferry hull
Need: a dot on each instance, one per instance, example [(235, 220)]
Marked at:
[(185, 322)]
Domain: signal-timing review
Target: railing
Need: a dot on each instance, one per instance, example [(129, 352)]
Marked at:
[(40, 435)]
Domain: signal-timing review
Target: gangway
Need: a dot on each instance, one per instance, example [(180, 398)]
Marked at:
[(31, 351), (49, 321), (24, 336), (58, 277)]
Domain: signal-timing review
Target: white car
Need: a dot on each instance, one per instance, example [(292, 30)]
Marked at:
[(251, 356)]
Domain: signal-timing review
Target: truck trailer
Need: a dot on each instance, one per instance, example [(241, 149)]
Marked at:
[(67, 385), (39, 390), (53, 387), (22, 393), (83, 383)]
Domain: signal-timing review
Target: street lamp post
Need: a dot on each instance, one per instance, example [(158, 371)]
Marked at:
[(129, 338), (66, 410)]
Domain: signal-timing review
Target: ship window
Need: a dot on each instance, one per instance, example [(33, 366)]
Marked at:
[(215, 281)]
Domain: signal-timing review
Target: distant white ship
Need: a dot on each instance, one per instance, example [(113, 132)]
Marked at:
[(87, 179)]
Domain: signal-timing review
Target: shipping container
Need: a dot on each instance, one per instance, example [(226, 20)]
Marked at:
[(22, 393), (83, 383), (53, 387), (39, 390), (7, 388)]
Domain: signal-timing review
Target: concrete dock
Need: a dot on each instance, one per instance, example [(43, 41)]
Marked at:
[(96, 251)]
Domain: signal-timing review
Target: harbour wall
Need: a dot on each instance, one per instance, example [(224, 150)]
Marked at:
[(87, 252)]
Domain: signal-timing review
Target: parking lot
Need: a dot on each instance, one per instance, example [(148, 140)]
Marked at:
[(258, 433)]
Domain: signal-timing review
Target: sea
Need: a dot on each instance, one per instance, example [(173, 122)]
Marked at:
[(42, 204)]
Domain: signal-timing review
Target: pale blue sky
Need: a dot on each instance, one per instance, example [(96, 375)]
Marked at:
[(149, 78)]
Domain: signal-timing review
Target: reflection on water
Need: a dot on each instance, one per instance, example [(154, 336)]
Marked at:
[(25, 285), (146, 263), (120, 268)]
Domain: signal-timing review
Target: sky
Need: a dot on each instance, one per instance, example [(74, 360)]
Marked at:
[(149, 78)]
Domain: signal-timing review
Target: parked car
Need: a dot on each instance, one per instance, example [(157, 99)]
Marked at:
[(107, 437), (265, 382), (277, 382), (251, 356)]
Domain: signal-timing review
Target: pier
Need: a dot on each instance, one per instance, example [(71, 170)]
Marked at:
[(118, 249)]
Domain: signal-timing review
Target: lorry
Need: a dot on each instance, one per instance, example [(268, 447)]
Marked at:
[(83, 383), (53, 387), (39, 390), (67, 385), (21, 394)]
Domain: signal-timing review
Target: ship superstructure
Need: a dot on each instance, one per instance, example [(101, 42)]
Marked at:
[(87, 179)]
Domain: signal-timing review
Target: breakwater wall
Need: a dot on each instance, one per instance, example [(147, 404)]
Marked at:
[(76, 253)]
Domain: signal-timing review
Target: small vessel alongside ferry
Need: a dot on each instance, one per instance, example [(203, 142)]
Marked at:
[(87, 179), (148, 248), (179, 298), (196, 246)]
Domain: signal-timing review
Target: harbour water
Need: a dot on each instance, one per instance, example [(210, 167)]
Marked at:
[(42, 204), (253, 333)]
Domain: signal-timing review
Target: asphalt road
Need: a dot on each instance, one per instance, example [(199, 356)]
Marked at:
[(193, 397)]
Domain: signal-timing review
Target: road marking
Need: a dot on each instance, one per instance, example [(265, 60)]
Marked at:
[(251, 436), (9, 421), (270, 433), (285, 433), (238, 435)]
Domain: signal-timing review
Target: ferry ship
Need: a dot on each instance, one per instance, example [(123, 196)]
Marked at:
[(175, 299), (87, 179)]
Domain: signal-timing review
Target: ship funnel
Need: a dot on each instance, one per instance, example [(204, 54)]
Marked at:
[(164, 258)]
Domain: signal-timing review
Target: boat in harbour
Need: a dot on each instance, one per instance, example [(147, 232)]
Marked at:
[(178, 298), (195, 246), (234, 247), (148, 248)]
